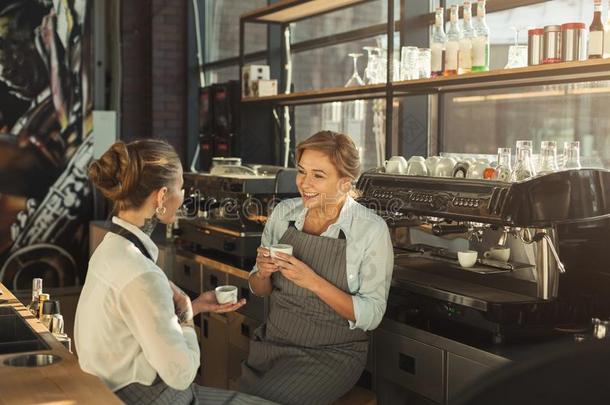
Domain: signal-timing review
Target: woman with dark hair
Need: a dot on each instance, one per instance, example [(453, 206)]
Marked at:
[(134, 329), (329, 292)]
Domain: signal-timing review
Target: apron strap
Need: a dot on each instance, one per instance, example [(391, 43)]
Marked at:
[(119, 230), (341, 233)]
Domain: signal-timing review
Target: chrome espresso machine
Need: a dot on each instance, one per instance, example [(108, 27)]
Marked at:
[(557, 227), (226, 209)]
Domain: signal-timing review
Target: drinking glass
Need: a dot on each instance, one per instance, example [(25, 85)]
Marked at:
[(409, 63), (370, 73), (548, 157), (355, 80), (571, 155), (425, 63), (503, 170), (517, 54), (524, 169)]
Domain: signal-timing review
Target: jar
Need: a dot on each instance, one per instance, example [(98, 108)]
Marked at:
[(574, 42), (552, 44), (534, 46)]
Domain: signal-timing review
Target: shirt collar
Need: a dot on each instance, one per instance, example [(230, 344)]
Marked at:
[(153, 250), (343, 221)]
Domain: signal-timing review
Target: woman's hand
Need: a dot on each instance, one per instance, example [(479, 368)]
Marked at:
[(182, 304), (297, 271), (264, 263), (207, 302)]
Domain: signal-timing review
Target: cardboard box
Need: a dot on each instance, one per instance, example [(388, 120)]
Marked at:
[(250, 74), (262, 88)]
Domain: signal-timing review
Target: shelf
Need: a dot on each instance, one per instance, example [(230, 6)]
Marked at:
[(287, 11), (323, 95), (527, 76)]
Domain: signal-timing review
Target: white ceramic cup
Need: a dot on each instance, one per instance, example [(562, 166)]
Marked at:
[(498, 253), (396, 165), (281, 248), (417, 168), (444, 167), (431, 162), (467, 258), (226, 294)]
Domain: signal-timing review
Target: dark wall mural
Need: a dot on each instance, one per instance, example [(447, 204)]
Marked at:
[(45, 147)]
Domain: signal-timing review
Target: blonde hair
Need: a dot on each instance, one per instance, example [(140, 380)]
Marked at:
[(127, 174), (338, 147)]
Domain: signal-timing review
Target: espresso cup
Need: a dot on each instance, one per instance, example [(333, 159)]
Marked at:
[(396, 165), (501, 254), (417, 168), (467, 258), (226, 294), (280, 248)]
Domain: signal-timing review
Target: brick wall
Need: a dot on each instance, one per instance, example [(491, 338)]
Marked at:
[(154, 70)]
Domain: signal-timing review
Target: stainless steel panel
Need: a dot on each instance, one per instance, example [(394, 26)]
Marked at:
[(187, 274), (255, 308), (215, 350), (411, 364), (462, 373)]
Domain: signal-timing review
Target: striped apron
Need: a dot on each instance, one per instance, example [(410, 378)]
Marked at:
[(305, 353)]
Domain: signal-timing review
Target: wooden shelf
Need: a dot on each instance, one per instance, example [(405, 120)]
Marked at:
[(505, 78), (323, 95), (287, 11)]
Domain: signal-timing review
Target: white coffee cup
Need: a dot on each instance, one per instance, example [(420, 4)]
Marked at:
[(417, 168), (498, 253), (226, 294), (396, 165), (281, 248), (467, 258), (444, 167)]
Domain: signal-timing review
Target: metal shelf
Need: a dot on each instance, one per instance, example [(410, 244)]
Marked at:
[(287, 11), (506, 78)]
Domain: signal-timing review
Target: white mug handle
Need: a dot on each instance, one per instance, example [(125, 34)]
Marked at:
[(487, 255)]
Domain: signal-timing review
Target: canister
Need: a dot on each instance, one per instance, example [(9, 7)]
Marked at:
[(534, 46), (574, 42), (552, 44)]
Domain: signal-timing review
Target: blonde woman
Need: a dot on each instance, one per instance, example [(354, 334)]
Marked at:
[(329, 292)]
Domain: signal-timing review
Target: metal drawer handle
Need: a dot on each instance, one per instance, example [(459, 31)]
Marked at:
[(406, 363), (245, 330)]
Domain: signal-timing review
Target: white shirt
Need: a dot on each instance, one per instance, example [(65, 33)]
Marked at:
[(369, 253), (126, 330)]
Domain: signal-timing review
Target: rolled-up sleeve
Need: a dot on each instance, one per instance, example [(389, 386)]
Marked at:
[(375, 277), (148, 310)]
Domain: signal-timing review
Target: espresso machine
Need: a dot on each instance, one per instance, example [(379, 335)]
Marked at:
[(226, 209), (556, 227)]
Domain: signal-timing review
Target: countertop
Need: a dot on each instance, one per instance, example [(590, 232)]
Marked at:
[(61, 383)]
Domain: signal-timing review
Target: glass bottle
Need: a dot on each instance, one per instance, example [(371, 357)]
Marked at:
[(465, 58), (504, 168), (480, 43), (548, 157), (596, 33), (606, 53), (36, 291), (524, 169), (439, 41), (571, 155), (454, 34)]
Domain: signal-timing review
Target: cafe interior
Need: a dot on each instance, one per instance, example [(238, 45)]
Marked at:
[(350, 202)]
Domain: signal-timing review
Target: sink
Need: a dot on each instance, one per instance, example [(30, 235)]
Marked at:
[(16, 336)]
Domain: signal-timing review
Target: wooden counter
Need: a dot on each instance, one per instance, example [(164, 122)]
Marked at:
[(63, 383)]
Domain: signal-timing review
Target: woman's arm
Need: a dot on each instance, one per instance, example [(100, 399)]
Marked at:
[(146, 306), (365, 308)]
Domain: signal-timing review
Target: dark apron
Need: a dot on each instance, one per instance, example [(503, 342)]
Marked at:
[(306, 353), (159, 393)]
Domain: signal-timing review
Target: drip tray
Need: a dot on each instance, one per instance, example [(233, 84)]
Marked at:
[(482, 266)]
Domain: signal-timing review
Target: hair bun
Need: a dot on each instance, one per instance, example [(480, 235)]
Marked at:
[(110, 172)]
